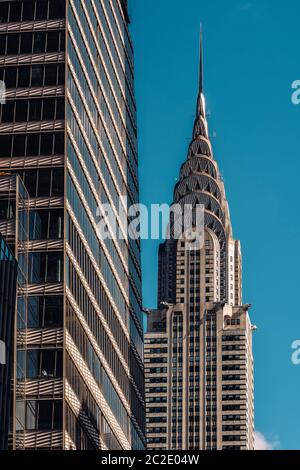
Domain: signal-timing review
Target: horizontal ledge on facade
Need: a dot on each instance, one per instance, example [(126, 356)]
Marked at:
[(21, 59), (30, 126), (31, 26), (32, 162), (35, 92)]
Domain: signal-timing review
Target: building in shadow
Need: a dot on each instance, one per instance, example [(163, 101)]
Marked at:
[(8, 282)]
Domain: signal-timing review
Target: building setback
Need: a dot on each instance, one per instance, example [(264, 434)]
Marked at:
[(68, 129), (198, 346), (8, 282)]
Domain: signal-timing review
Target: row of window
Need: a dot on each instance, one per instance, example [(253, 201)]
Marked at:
[(32, 43), (46, 224), (228, 338), (233, 322), (233, 367), (231, 427), (232, 397), (157, 390), (157, 440), (39, 75), (45, 267), (31, 145), (30, 10), (228, 378), (157, 351), (157, 380), (156, 419), (233, 347), (156, 430), (43, 182), (157, 370), (157, 400), (232, 418), (232, 357), (45, 311), (157, 360), (232, 438), (231, 387), (39, 363), (35, 415), (46, 109), (156, 410)]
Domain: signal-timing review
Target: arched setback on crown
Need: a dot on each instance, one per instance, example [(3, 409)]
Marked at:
[(200, 182)]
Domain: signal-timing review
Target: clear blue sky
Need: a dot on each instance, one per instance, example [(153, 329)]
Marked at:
[(252, 50)]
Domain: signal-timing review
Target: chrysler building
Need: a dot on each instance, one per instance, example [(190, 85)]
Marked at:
[(198, 346)]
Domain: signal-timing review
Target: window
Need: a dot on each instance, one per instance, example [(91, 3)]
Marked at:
[(50, 75), (55, 9), (19, 145), (46, 224), (45, 267), (39, 415), (32, 144), (42, 10), (28, 43), (33, 110), (46, 363), (4, 12), (53, 41), (7, 113), (45, 312), (12, 46), (46, 144), (37, 75), (15, 11), (21, 108), (10, 76), (28, 10), (49, 109)]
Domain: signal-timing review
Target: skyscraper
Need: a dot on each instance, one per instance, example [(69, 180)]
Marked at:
[(198, 347), (68, 129)]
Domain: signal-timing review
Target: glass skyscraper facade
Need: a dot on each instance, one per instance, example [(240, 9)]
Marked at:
[(68, 129)]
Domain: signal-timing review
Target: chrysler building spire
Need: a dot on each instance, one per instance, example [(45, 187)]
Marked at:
[(201, 76), (200, 126)]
